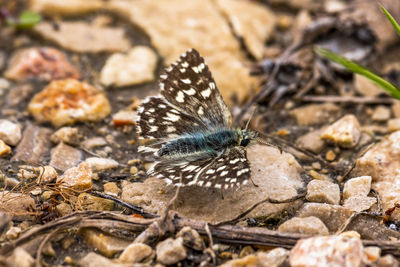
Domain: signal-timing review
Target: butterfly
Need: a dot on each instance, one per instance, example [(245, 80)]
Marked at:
[(188, 128)]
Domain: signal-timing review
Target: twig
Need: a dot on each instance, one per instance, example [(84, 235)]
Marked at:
[(273, 201), (224, 233), (348, 99), (135, 208)]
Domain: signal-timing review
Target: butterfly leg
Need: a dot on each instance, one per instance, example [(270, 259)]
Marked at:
[(222, 193), (251, 179)]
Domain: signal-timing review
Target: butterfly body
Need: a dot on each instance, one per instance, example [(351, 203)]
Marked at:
[(201, 145), (188, 128)]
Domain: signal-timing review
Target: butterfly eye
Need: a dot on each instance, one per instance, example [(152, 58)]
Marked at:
[(244, 142)]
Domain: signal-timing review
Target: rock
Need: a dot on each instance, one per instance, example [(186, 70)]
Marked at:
[(330, 155), (170, 251), (136, 252), (78, 178), (86, 201), (125, 117), (323, 191), (251, 21), (20, 258), (366, 87), (83, 37), (63, 209), (191, 238), (41, 63), (312, 141), (72, 7), (327, 251), (106, 244), (306, 225), (111, 188), (396, 109), (64, 157), (13, 233), (393, 125), (67, 101), (95, 260), (67, 135), (93, 142), (19, 205), (135, 67), (313, 114), (47, 174), (201, 203), (387, 261), (273, 258), (193, 24), (333, 216), (381, 113), (101, 164), (359, 203), (345, 132), (5, 150), (371, 254), (359, 186), (18, 94), (10, 132), (381, 162)]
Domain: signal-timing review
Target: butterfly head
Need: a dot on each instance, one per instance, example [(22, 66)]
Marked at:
[(246, 137)]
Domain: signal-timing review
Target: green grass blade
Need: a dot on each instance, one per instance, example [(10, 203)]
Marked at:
[(354, 67), (396, 26)]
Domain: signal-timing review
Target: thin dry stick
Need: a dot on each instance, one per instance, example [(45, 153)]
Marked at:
[(41, 246), (273, 201), (348, 99), (225, 233), (134, 208), (211, 243)]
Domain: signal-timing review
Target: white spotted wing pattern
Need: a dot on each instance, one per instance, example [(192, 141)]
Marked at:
[(188, 128)]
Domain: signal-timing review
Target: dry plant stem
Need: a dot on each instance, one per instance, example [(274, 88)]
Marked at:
[(159, 227), (378, 202), (41, 246), (350, 220), (134, 208), (225, 233), (211, 243), (348, 99), (273, 201)]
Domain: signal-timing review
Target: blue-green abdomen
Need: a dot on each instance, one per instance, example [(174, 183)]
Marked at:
[(198, 145)]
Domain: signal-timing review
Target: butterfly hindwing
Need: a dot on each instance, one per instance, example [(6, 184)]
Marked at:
[(230, 169)]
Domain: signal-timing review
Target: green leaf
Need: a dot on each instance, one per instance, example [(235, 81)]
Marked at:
[(354, 67), (27, 19), (396, 26)]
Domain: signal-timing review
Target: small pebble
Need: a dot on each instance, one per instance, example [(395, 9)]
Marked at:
[(330, 155), (13, 233), (101, 164), (170, 251)]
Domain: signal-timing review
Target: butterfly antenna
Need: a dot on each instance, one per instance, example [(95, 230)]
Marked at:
[(251, 116), (261, 141)]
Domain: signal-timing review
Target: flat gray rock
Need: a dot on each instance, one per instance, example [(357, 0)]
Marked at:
[(276, 174)]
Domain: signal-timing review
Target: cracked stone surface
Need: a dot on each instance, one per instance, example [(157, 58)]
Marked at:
[(277, 176)]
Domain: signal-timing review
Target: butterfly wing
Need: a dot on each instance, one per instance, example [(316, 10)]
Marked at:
[(230, 169), (189, 86)]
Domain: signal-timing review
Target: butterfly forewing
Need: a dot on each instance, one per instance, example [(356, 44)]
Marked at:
[(189, 86), (158, 119)]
